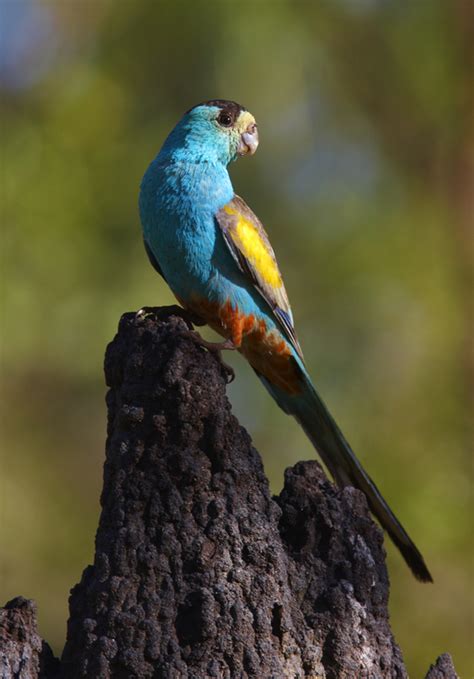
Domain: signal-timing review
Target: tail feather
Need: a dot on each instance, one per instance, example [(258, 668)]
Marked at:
[(323, 432)]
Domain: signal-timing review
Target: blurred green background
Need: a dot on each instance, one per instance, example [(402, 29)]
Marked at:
[(364, 179)]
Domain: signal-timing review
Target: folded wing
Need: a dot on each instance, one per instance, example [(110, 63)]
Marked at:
[(249, 245)]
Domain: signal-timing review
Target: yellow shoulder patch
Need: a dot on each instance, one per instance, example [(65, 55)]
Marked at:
[(248, 239)]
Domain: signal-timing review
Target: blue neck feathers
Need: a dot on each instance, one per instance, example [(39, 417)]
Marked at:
[(184, 181)]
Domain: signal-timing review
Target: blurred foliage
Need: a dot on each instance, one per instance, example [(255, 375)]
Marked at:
[(364, 178)]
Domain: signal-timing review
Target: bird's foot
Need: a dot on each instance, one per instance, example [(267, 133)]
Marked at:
[(216, 348), (146, 311), (173, 309)]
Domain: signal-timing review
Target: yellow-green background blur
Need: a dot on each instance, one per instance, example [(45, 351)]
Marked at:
[(363, 179)]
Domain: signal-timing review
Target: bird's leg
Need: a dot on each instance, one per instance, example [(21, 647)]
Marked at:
[(215, 348)]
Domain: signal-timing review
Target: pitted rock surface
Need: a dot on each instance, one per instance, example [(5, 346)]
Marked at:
[(198, 571)]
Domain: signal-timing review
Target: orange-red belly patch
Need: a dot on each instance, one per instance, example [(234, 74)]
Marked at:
[(266, 350)]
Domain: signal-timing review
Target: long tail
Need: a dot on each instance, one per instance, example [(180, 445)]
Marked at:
[(323, 432)]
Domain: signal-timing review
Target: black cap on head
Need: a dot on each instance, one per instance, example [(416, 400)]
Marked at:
[(232, 108)]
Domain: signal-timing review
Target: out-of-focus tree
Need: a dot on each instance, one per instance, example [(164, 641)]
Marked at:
[(364, 179)]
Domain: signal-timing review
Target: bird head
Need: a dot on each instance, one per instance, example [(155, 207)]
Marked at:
[(214, 130)]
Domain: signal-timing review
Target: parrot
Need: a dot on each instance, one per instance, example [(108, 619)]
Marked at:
[(215, 255)]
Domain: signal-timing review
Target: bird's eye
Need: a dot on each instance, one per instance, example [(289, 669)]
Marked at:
[(224, 119)]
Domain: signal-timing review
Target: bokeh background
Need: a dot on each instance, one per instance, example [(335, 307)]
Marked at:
[(364, 179)]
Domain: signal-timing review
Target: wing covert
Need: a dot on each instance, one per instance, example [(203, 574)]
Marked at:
[(152, 258), (250, 247)]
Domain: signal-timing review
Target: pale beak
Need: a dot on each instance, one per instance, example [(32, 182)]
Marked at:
[(248, 141)]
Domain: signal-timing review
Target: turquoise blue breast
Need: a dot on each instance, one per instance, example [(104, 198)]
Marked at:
[(178, 202)]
